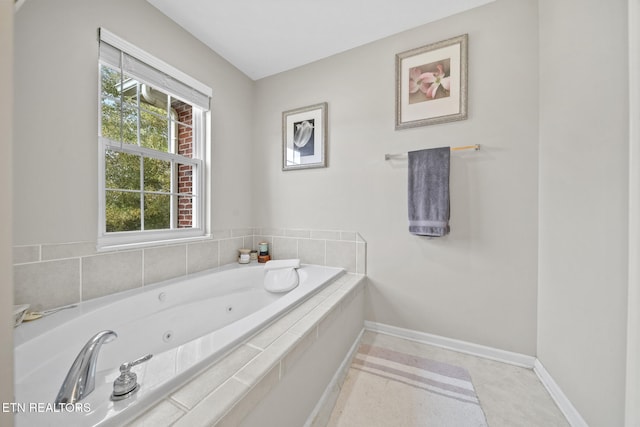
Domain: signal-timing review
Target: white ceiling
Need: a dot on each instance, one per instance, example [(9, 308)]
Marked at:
[(265, 37)]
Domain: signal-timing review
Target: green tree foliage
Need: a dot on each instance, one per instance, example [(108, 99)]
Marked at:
[(132, 181)]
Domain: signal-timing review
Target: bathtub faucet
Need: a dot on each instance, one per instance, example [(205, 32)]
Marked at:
[(80, 380)]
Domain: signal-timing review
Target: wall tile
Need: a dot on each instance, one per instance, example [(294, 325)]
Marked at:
[(325, 234), (68, 250), (267, 359), (284, 248), (302, 234), (202, 256), (47, 284), (361, 258), (215, 405), (196, 390), (310, 321), (312, 251), (265, 338), (163, 414), (294, 354), (107, 274), (257, 393), (332, 316), (348, 235), (261, 238), (163, 263), (241, 232), (22, 254), (272, 231), (221, 234), (342, 254), (248, 242), (110, 272), (229, 250)]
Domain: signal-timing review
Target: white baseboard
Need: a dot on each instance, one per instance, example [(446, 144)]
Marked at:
[(504, 356), (322, 412), (571, 414), (566, 407)]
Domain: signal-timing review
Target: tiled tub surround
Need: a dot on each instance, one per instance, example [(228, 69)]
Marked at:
[(276, 377), (186, 323), (53, 275)]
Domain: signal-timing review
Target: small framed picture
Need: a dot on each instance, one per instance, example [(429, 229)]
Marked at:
[(431, 84), (304, 137)]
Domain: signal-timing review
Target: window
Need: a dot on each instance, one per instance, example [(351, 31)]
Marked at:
[(152, 148)]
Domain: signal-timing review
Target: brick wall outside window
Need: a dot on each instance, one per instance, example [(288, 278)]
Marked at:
[(185, 148)]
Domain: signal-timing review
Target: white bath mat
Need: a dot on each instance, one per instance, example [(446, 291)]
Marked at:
[(387, 388)]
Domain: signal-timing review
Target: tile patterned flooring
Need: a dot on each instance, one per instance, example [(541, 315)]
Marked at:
[(509, 395)]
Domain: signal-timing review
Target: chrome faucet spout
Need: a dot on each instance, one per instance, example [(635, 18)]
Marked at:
[(80, 380)]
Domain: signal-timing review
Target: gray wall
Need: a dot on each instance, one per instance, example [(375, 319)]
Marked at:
[(479, 283), (583, 203), (55, 159), (6, 287)]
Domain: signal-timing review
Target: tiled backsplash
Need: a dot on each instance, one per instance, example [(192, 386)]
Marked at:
[(53, 275)]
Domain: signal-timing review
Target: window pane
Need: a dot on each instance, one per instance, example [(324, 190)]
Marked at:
[(130, 125), (185, 212), (122, 170), (130, 90), (185, 199), (119, 127), (122, 211), (157, 211), (183, 125), (153, 100), (185, 140), (110, 80), (154, 131), (185, 178), (110, 119), (157, 175)]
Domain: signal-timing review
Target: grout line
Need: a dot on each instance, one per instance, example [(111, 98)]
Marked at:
[(186, 260), (249, 344), (81, 279), (177, 404)]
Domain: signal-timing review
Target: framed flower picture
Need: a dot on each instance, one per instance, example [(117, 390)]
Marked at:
[(431, 84), (304, 137)]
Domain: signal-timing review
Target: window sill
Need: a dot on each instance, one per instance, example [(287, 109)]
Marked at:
[(112, 244)]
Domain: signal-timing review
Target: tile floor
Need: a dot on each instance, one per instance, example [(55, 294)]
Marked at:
[(509, 395)]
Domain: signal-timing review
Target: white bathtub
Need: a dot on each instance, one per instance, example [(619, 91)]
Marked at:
[(185, 323)]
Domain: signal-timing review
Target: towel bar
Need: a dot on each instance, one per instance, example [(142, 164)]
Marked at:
[(475, 147)]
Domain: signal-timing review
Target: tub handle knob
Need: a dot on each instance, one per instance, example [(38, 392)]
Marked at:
[(126, 384)]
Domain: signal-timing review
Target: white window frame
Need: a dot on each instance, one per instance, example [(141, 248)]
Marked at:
[(201, 148)]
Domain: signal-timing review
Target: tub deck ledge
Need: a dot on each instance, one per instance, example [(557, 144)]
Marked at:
[(226, 391)]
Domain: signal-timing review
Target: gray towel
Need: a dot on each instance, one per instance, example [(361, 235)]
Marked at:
[(429, 192)]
